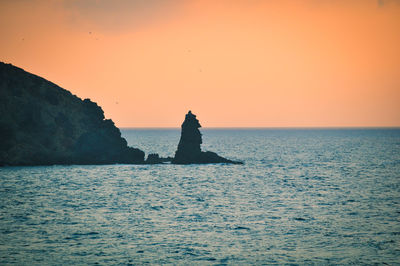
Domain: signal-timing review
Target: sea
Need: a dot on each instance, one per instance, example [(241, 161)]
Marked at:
[(302, 196)]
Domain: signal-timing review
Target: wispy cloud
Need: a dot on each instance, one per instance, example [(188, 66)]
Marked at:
[(120, 14)]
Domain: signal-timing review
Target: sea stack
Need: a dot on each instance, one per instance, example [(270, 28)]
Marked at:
[(189, 150)]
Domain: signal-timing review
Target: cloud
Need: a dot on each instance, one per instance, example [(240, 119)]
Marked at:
[(382, 3), (120, 14)]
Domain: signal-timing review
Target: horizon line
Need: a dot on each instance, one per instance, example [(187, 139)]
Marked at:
[(272, 127)]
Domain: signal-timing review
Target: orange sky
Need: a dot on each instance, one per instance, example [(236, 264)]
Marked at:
[(234, 63)]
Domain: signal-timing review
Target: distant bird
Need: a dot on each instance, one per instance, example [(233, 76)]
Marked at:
[(90, 32)]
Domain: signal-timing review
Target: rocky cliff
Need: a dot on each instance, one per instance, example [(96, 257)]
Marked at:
[(43, 124)]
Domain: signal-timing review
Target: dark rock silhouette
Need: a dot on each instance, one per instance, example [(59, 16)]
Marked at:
[(189, 151), (154, 158), (43, 124)]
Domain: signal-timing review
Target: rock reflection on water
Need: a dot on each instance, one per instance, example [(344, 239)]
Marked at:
[(302, 196)]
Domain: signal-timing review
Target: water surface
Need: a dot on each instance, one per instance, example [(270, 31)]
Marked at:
[(302, 196)]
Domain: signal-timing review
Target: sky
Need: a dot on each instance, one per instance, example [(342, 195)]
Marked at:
[(234, 63)]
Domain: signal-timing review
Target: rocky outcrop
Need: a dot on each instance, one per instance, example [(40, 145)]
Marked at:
[(189, 150), (43, 124), (154, 158)]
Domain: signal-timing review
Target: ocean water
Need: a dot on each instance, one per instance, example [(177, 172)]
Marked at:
[(303, 196)]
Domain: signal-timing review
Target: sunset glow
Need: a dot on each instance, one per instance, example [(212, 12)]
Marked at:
[(327, 63)]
